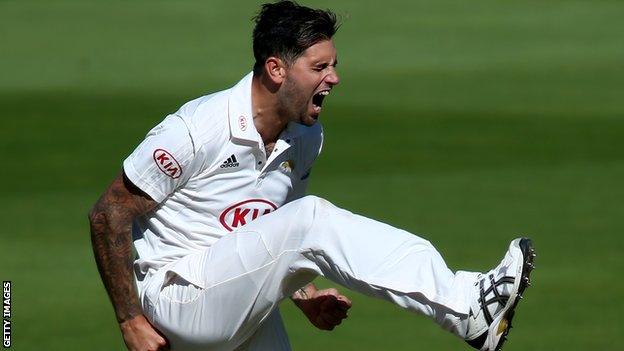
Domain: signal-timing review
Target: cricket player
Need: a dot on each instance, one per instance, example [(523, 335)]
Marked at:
[(213, 199)]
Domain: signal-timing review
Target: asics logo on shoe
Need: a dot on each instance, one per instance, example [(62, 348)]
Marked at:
[(231, 162), (497, 294)]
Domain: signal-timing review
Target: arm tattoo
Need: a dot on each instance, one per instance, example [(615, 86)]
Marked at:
[(111, 238)]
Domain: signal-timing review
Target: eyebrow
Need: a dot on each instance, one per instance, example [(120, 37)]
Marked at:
[(325, 63)]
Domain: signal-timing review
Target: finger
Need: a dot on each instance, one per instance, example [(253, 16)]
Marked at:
[(164, 346), (342, 306), (328, 292), (333, 314), (330, 320), (323, 325), (161, 341), (156, 345), (333, 292), (338, 314), (328, 303), (334, 305), (344, 302)]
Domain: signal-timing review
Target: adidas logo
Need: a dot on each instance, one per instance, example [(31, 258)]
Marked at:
[(230, 162)]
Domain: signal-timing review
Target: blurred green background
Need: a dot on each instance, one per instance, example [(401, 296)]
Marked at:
[(469, 122)]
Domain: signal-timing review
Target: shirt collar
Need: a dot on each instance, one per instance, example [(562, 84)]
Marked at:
[(240, 115), (239, 111)]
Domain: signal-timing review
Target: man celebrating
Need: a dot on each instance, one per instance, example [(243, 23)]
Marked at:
[(213, 198)]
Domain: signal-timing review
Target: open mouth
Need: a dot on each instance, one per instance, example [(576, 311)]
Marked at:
[(317, 100)]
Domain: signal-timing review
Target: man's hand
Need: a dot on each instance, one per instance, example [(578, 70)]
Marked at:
[(140, 335), (324, 308)]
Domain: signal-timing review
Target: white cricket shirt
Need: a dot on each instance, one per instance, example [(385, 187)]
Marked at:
[(206, 165)]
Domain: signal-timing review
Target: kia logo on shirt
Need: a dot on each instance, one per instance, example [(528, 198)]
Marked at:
[(244, 212), (167, 164)]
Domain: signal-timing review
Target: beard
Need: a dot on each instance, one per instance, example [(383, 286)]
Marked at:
[(292, 104)]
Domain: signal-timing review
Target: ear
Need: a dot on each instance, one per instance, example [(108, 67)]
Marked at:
[(275, 69)]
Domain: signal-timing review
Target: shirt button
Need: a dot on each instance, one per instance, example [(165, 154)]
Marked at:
[(259, 162), (288, 141)]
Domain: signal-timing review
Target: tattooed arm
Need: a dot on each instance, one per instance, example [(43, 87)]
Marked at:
[(111, 238)]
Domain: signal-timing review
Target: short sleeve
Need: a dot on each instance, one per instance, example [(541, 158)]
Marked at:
[(164, 159), (313, 150)]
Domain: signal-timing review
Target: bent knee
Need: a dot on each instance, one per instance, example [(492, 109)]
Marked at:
[(297, 217), (312, 203), (308, 208), (309, 200)]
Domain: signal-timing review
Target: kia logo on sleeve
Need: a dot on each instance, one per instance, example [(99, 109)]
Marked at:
[(167, 163), (242, 123), (244, 212)]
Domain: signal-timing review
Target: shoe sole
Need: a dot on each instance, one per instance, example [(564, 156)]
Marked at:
[(504, 320)]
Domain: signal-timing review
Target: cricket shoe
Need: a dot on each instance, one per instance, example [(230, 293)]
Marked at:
[(496, 295)]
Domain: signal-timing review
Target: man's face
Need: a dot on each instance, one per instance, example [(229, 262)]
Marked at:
[(308, 81)]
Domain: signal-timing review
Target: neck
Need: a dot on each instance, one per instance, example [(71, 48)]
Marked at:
[(264, 109)]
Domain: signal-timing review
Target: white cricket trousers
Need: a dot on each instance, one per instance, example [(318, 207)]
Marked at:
[(220, 298)]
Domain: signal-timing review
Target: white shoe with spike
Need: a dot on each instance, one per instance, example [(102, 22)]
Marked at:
[(497, 294)]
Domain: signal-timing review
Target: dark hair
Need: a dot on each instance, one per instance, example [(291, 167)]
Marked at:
[(286, 29)]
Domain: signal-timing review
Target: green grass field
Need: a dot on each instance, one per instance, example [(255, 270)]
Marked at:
[(467, 122)]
